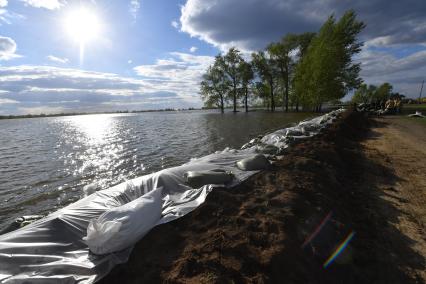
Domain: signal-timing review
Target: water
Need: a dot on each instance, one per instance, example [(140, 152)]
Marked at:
[(45, 162)]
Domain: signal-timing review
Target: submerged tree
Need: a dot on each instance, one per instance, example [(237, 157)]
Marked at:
[(281, 55), (246, 74), (267, 71), (230, 64), (215, 86)]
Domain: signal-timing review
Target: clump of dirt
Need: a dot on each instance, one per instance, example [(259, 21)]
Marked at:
[(281, 225)]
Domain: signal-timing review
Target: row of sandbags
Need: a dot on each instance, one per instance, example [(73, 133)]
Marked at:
[(85, 240)]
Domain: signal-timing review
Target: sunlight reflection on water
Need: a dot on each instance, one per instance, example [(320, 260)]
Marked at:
[(46, 162)]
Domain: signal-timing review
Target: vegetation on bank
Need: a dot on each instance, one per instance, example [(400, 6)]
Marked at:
[(300, 71)]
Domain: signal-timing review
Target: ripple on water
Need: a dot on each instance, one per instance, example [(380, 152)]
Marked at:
[(47, 162)]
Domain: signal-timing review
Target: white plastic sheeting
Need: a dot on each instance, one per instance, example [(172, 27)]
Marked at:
[(55, 249)]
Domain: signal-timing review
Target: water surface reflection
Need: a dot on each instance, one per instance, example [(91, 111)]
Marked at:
[(45, 162)]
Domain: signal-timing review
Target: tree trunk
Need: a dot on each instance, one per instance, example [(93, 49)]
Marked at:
[(245, 101), (297, 105), (271, 83), (286, 91), (235, 96), (221, 104), (284, 79)]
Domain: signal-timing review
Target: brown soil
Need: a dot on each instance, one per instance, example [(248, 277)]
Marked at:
[(368, 173)]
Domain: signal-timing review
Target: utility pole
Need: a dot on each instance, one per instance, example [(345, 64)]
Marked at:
[(421, 90)]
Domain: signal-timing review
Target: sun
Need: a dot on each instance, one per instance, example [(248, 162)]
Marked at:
[(82, 25)]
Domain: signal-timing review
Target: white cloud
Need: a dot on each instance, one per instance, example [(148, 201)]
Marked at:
[(46, 89), (7, 48), (134, 8), (6, 17), (3, 3), (47, 4), (8, 101), (193, 49), (181, 73), (57, 59), (405, 74), (175, 24), (129, 61)]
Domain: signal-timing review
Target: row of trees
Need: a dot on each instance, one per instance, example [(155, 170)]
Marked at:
[(374, 95), (305, 69)]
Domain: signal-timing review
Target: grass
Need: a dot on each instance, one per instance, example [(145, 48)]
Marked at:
[(412, 108), (417, 120)]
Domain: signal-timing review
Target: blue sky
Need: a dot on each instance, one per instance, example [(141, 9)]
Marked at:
[(150, 54)]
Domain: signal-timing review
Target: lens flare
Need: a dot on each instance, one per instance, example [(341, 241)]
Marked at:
[(339, 250), (317, 230)]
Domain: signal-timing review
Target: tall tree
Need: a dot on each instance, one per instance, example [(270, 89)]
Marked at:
[(281, 54), (215, 86), (327, 71), (303, 42), (230, 63), (267, 71), (246, 74)]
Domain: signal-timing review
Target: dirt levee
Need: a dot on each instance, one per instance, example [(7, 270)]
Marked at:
[(284, 225)]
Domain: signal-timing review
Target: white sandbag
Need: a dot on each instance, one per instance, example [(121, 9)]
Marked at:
[(255, 163), (197, 179), (122, 227), (89, 189), (417, 114), (267, 149), (295, 132)]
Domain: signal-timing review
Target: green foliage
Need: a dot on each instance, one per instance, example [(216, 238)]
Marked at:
[(280, 54), (267, 69), (383, 92), (246, 75), (361, 95), (372, 94), (327, 72), (215, 86), (307, 69), (230, 64)]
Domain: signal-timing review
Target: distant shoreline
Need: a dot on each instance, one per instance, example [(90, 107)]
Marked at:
[(252, 109), (89, 113)]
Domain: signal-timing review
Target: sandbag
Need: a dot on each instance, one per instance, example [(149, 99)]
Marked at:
[(197, 179), (417, 114), (255, 163), (122, 227), (267, 149)]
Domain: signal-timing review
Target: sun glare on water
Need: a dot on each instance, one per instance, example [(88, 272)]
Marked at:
[(82, 26)]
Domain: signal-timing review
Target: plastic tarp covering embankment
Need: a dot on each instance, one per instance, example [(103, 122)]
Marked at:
[(54, 249)]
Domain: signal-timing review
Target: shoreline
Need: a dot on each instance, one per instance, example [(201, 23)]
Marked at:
[(255, 231)]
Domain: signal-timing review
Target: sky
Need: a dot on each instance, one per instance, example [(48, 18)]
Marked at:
[(85, 56)]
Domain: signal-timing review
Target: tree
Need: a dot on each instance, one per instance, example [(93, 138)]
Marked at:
[(303, 42), (361, 95), (267, 71), (230, 64), (383, 93), (246, 75), (261, 91), (327, 71), (215, 86), (280, 54)]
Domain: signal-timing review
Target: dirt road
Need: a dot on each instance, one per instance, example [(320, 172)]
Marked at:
[(399, 144)]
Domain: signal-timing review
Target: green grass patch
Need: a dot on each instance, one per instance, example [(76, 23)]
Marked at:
[(417, 120), (412, 108)]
